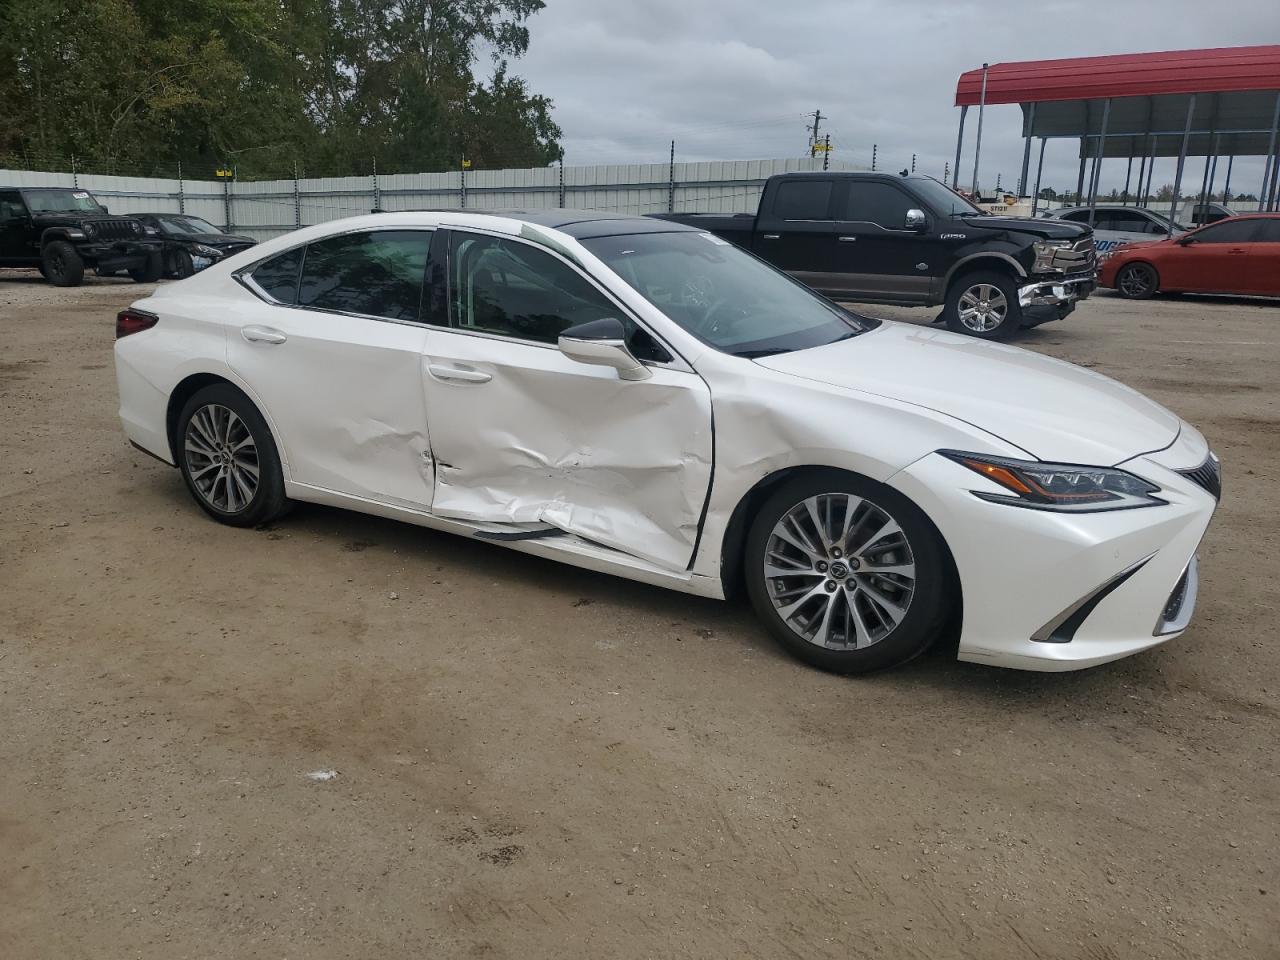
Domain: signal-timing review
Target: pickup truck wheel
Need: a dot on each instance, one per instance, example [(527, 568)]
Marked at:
[(984, 304), (61, 265), (151, 271), (1137, 281)]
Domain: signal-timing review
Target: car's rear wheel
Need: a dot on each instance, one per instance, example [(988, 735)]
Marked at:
[(61, 264), (228, 459), (1137, 281), (847, 574), (984, 304), (150, 271)]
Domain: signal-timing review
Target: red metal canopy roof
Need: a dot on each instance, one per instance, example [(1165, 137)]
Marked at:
[(1218, 70)]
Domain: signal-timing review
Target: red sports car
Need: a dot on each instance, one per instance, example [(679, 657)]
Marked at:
[(1237, 255)]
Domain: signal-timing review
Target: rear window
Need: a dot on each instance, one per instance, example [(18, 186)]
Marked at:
[(803, 200), (278, 277), (376, 274), (1270, 231)]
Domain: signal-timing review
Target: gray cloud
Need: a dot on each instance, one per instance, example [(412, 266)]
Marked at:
[(731, 79)]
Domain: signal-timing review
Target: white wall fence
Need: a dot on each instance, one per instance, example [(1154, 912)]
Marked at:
[(267, 208)]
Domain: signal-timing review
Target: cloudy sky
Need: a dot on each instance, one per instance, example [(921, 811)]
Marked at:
[(730, 79)]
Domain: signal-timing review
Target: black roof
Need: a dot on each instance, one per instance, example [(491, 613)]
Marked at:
[(583, 224)]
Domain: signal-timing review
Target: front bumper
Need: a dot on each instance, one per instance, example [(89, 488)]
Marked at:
[(118, 255), (1025, 573), (1057, 291)]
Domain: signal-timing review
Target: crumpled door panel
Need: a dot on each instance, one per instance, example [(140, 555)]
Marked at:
[(548, 440)]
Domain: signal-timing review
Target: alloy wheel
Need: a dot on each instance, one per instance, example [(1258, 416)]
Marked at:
[(222, 458), (983, 307), (1135, 282), (839, 571)]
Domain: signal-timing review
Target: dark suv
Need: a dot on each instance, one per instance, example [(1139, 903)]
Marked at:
[(62, 231)]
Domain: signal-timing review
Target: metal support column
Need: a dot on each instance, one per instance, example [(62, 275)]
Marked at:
[(955, 171), (1026, 152), (1096, 173), (1182, 159), (377, 193), (182, 197), (977, 150), (1141, 198), (1151, 172), (562, 183), (1226, 187), (1128, 175), (1035, 197), (1080, 179), (1271, 155), (297, 198)]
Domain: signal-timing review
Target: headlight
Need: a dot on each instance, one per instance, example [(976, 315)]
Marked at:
[(200, 250), (1045, 250), (1062, 487), (149, 230)]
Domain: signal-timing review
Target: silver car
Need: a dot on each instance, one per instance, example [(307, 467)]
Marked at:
[(1115, 225)]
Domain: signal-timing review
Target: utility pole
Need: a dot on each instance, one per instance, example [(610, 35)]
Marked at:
[(813, 131), (826, 153)]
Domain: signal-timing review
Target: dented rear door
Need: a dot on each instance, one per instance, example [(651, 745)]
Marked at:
[(522, 434)]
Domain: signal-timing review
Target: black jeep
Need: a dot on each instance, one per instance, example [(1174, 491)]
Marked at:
[(62, 230)]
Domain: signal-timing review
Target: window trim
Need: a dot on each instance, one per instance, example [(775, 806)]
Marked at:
[(677, 361), (244, 276)]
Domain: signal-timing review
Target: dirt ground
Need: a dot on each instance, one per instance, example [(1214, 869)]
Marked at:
[(535, 761)]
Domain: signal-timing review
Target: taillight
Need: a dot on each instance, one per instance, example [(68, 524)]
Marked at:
[(134, 321)]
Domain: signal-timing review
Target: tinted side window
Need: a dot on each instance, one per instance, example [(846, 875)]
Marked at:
[(802, 200), (1124, 221), (278, 277), (11, 205), (1080, 216), (378, 274), (509, 288), (1270, 231), (878, 203), (1228, 231)]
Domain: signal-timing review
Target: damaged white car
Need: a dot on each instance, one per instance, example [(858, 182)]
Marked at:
[(641, 398)]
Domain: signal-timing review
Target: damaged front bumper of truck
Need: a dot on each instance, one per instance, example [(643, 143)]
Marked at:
[(1058, 291)]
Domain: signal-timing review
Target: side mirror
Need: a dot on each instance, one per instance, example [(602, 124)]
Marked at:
[(602, 343), (916, 220), (1186, 240)]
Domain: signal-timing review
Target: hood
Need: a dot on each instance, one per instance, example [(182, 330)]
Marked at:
[(1051, 409), (1045, 228), (215, 239)]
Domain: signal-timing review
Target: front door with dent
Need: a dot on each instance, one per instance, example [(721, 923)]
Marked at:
[(521, 434)]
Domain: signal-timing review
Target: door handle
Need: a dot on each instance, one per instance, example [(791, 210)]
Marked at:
[(847, 239), (1237, 250), (255, 334), (458, 374), (771, 236)]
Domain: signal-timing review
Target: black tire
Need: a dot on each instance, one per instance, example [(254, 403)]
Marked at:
[(1000, 319), (1137, 281), (149, 272), (927, 606), (268, 500), (180, 265), (61, 264)]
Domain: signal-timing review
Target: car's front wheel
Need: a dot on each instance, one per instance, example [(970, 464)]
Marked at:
[(61, 264), (847, 574), (180, 265), (228, 458), (1137, 281), (984, 304), (150, 271)]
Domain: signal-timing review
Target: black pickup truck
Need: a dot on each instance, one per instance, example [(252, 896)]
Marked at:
[(62, 231), (881, 238)]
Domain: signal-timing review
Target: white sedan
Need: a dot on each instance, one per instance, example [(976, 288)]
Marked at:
[(641, 398)]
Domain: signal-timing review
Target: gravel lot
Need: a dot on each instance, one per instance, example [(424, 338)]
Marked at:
[(536, 761)]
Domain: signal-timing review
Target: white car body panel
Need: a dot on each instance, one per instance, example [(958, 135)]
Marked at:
[(642, 478)]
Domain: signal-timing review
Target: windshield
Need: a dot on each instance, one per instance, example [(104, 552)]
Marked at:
[(723, 295), (176, 224), (61, 201), (943, 199)]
